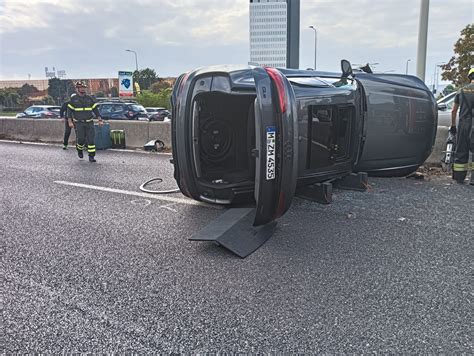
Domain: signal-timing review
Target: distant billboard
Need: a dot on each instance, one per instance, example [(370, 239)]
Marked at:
[(125, 83)]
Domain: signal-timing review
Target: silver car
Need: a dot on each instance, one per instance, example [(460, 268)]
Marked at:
[(445, 105), (40, 112)]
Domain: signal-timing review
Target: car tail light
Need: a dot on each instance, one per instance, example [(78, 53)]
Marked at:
[(280, 86), (130, 113)]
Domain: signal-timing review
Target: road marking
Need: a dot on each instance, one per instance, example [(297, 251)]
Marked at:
[(141, 195), (73, 147), (168, 207)]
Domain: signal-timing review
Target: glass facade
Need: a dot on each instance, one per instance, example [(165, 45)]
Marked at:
[(268, 32)]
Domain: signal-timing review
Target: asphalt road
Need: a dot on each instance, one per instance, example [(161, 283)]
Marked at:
[(91, 270)]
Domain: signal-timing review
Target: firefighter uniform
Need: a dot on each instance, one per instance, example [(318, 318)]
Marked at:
[(81, 109), (465, 134)]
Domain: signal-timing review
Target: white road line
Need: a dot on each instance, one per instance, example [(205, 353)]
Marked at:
[(72, 147), (139, 194)]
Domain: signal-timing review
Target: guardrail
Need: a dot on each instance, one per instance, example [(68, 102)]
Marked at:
[(137, 133)]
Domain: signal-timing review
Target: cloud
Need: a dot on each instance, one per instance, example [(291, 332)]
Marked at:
[(90, 36)]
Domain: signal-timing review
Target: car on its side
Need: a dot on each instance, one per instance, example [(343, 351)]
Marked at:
[(250, 134), (445, 105), (40, 112), (118, 110), (158, 114)]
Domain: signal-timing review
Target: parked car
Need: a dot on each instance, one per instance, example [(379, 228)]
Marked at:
[(121, 110), (40, 112), (158, 114), (445, 105), (260, 134)]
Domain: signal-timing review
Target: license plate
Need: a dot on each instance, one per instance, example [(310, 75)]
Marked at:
[(271, 143)]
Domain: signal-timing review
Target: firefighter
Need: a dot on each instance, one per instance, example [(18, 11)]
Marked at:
[(67, 129), (80, 115), (464, 101)]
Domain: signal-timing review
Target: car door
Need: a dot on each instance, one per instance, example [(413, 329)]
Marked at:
[(276, 136)]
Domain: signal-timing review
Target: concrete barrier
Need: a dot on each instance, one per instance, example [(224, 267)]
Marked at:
[(137, 133), (160, 131), (439, 146)]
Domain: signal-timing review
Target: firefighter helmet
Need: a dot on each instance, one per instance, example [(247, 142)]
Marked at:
[(470, 75), (80, 83)]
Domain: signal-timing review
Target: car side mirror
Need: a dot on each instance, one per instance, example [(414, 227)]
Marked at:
[(346, 68), (442, 106)]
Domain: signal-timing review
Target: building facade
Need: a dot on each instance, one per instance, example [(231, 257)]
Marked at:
[(274, 32)]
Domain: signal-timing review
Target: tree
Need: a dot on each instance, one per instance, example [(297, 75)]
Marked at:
[(60, 90), (27, 90), (458, 66), (159, 85), (162, 99), (145, 78), (48, 100), (449, 89)]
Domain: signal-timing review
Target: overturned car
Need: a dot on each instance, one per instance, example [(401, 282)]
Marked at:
[(260, 135)]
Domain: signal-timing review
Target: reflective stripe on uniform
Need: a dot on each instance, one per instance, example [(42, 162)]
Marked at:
[(90, 148), (83, 109), (71, 107), (95, 105), (90, 120), (472, 166), (460, 167), (79, 147)]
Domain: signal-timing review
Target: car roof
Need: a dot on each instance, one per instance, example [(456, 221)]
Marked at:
[(45, 106), (447, 97)]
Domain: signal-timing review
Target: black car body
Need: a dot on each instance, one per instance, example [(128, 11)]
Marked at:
[(117, 110), (158, 114), (244, 134)]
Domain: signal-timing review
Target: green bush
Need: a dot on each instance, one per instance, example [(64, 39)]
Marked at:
[(162, 99)]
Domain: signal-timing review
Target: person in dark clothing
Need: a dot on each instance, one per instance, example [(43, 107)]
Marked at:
[(464, 101), (80, 112), (67, 129)]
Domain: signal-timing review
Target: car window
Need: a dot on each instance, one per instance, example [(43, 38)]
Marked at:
[(37, 109), (29, 110), (118, 108), (137, 107), (105, 108), (151, 110)]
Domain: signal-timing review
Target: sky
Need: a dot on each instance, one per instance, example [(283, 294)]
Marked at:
[(88, 38)]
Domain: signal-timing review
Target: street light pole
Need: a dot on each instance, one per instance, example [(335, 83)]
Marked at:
[(406, 71), (136, 60), (315, 45)]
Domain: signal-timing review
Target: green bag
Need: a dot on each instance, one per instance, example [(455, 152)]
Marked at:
[(118, 138)]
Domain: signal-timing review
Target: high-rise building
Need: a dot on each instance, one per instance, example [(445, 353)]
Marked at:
[(275, 32)]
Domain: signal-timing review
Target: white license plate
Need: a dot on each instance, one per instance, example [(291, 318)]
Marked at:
[(271, 143)]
